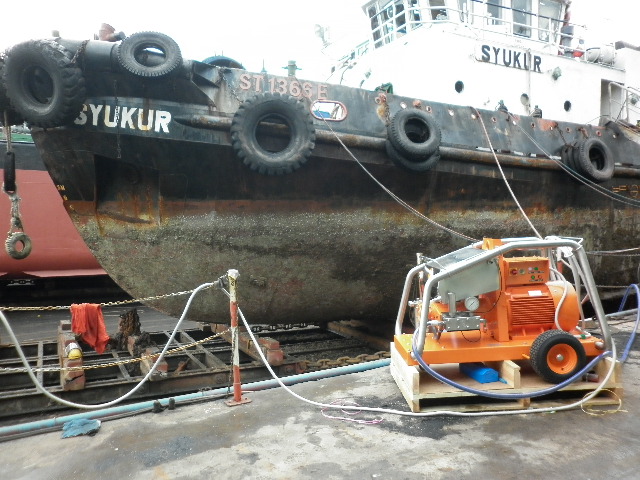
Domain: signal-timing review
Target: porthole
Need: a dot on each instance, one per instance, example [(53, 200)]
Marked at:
[(567, 106), (459, 86)]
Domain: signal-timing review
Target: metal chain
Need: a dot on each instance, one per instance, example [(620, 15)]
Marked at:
[(115, 363), (325, 363), (104, 304), (79, 51), (229, 86)]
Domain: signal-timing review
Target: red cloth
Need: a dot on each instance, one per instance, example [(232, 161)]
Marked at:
[(88, 322)]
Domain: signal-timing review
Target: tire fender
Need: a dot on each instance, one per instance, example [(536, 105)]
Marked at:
[(414, 133), (44, 86), (414, 165), (134, 54), (282, 109), (593, 158), (12, 242)]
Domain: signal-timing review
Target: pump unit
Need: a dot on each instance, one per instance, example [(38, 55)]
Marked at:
[(501, 300)]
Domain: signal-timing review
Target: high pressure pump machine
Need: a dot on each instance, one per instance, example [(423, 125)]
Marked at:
[(503, 299)]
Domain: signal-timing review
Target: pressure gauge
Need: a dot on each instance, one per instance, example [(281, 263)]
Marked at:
[(471, 303)]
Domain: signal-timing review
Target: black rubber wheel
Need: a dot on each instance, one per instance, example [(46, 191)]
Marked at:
[(5, 105), (222, 61), (412, 164), (12, 242), (593, 158), (44, 86), (557, 356), (9, 183), (258, 118), (414, 133), (149, 54)]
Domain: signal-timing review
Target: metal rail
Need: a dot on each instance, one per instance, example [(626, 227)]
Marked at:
[(199, 366)]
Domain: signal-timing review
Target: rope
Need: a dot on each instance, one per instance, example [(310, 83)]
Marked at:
[(504, 178), (395, 197)]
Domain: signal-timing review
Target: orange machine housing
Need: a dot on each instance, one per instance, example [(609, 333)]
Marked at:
[(523, 308)]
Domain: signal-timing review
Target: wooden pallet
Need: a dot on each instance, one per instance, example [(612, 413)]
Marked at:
[(424, 393)]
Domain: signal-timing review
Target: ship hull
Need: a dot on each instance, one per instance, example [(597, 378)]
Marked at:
[(176, 171), (58, 250), (324, 243)]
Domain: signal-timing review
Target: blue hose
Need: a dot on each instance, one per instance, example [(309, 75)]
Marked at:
[(508, 396), (546, 391), (13, 431), (625, 354)]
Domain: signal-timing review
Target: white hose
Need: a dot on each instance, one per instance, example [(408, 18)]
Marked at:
[(62, 401)]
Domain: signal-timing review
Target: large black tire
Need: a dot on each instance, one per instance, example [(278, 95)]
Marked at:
[(45, 87), (593, 159), (567, 154), (137, 54), (222, 61), (412, 164), (281, 110), (414, 133), (556, 356), (5, 105)]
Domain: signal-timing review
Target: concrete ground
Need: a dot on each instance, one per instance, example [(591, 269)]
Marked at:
[(277, 436)]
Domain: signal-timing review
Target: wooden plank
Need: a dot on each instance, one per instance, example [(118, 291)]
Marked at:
[(424, 393)]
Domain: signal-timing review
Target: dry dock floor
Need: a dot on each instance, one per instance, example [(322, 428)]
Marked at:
[(277, 436)]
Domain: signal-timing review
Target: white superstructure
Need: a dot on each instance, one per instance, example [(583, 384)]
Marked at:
[(525, 53)]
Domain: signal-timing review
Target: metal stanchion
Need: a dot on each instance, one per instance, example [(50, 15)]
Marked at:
[(238, 399)]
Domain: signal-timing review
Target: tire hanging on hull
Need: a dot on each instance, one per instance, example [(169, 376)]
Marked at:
[(413, 141), (12, 117), (591, 157), (44, 86), (272, 110)]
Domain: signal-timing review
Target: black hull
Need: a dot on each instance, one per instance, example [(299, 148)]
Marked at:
[(324, 243), (153, 176)]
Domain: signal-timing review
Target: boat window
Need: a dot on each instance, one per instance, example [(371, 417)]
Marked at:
[(375, 24), (438, 12), (494, 11), (329, 110), (463, 8), (521, 17), (549, 22)]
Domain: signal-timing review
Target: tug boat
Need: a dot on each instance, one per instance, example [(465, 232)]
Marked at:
[(321, 192)]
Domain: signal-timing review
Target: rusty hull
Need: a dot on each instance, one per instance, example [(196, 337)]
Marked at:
[(167, 211)]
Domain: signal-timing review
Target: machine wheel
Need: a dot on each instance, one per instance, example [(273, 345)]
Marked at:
[(253, 147), (412, 164), (137, 54), (557, 356), (45, 87), (414, 133), (593, 158)]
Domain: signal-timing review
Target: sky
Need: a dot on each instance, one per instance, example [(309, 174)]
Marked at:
[(254, 31)]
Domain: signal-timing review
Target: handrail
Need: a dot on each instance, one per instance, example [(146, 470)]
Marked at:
[(630, 93), (394, 23)]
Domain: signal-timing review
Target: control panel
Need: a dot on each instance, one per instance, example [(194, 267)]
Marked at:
[(526, 270)]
